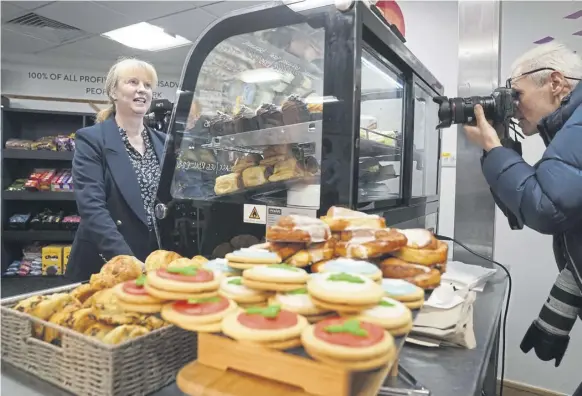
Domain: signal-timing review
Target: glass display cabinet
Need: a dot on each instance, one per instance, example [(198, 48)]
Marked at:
[(294, 108)]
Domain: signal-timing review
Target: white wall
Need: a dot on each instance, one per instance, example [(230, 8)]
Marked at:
[(432, 33), (530, 254)]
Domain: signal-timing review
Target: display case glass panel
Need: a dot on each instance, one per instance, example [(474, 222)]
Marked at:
[(381, 129), (426, 145), (254, 128)]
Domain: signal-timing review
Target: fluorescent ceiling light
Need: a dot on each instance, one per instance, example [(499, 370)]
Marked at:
[(146, 37), (381, 73), (256, 76)]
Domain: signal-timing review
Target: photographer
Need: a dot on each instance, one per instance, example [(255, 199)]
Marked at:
[(546, 197)]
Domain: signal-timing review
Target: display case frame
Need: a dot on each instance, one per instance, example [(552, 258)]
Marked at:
[(346, 33)]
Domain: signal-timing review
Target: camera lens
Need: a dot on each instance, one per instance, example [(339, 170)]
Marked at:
[(460, 110)]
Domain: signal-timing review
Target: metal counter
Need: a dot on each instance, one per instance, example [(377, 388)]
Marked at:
[(445, 371)]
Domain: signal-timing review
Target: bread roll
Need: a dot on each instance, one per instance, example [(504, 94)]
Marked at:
[(256, 175), (117, 270), (227, 184), (160, 259)]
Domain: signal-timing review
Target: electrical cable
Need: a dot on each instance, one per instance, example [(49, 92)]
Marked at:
[(504, 322)]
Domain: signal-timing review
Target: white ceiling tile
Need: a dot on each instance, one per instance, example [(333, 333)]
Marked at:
[(69, 51), (28, 5), (10, 11), (13, 42), (100, 47), (151, 9), (224, 7), (187, 24), (85, 15)]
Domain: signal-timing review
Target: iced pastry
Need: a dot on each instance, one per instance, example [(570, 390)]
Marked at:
[(269, 116), (245, 120), (294, 110), (221, 124)]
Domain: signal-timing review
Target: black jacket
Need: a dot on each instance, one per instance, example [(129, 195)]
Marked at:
[(113, 218), (547, 197)]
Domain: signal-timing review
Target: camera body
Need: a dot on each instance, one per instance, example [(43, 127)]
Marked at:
[(159, 113), (498, 107)]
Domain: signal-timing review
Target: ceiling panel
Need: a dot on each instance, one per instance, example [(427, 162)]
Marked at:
[(13, 42), (150, 9), (28, 5), (94, 17), (10, 11), (100, 47), (69, 51), (188, 24), (224, 7)]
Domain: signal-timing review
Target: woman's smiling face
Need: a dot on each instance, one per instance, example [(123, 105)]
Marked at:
[(134, 91)]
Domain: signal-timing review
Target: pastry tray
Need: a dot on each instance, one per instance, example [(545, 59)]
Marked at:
[(252, 141)]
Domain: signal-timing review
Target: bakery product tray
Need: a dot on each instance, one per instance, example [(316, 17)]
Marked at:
[(86, 366)]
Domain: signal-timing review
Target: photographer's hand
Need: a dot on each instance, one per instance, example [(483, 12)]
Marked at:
[(483, 135)]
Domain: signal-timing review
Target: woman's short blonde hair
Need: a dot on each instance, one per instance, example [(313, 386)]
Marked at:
[(119, 70)]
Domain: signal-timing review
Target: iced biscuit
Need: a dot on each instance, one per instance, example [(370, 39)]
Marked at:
[(269, 324), (233, 288), (183, 280), (203, 314), (344, 288), (390, 314), (401, 290), (298, 301), (276, 273), (252, 256), (221, 268), (352, 267)]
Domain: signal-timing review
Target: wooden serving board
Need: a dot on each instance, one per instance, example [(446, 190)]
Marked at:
[(229, 368)]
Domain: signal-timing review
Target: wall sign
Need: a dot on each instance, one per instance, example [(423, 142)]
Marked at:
[(69, 83)]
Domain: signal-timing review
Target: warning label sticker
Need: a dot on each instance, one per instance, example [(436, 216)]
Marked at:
[(255, 214), (275, 212)]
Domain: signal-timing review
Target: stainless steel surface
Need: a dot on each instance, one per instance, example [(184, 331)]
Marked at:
[(307, 132), (479, 36)]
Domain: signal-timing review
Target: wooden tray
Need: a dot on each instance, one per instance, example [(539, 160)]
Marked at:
[(247, 370)]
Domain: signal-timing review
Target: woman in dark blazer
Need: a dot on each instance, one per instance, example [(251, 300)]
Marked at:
[(116, 170)]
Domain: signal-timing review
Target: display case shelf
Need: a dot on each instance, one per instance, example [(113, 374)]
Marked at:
[(307, 132), (39, 235), (38, 155), (38, 196)]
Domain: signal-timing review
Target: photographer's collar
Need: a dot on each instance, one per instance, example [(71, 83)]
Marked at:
[(552, 123)]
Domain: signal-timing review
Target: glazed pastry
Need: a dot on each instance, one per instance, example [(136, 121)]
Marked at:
[(276, 150), (284, 250), (269, 116), (436, 258), (316, 253), (245, 120), (256, 176), (300, 229), (160, 259), (315, 107), (273, 160), (294, 111), (341, 219), (228, 184), (221, 124), (419, 275), (245, 162), (366, 245), (419, 238), (285, 170)]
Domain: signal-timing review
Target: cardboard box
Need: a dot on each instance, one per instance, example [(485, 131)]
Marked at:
[(52, 260)]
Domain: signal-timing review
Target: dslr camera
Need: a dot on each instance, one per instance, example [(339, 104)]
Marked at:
[(158, 115), (499, 107)]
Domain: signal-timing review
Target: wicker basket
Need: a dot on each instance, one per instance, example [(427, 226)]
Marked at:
[(87, 367)]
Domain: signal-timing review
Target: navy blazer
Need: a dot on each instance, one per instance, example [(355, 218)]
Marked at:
[(113, 218)]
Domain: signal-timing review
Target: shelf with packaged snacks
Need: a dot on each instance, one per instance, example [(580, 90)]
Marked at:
[(38, 195), (38, 154), (39, 235), (252, 141)]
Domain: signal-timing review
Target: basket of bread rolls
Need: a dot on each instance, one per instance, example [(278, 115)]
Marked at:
[(103, 337)]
